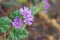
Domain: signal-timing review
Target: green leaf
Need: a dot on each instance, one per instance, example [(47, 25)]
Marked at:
[(5, 24), (24, 33), (15, 14), (35, 1), (17, 34), (22, 1), (41, 6), (8, 4), (37, 9), (33, 10)]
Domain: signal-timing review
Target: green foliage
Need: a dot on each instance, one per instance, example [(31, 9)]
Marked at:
[(17, 34), (15, 14), (8, 4), (5, 24), (41, 6), (35, 1), (53, 1), (33, 10), (22, 1), (37, 9)]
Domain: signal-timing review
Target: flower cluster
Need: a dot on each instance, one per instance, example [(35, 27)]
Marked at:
[(47, 5), (17, 22), (27, 14), (28, 18)]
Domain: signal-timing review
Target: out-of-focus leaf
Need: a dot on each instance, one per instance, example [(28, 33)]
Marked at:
[(35, 1), (41, 6), (15, 14), (37, 9), (8, 4), (5, 24), (22, 1), (53, 1), (33, 9), (17, 34)]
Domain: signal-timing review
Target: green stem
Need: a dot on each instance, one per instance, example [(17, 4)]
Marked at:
[(24, 26), (5, 36)]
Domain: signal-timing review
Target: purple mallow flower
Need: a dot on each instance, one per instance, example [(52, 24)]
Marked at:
[(27, 14), (47, 5), (17, 23), (29, 20)]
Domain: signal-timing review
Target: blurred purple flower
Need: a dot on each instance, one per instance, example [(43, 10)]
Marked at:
[(17, 23), (47, 5), (29, 20), (27, 14)]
